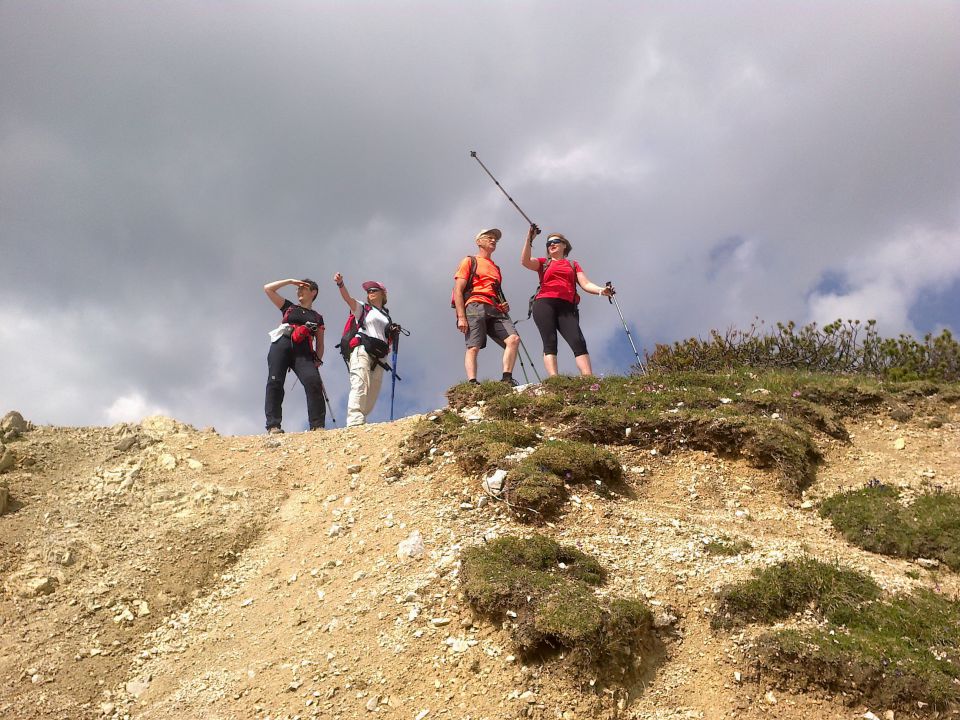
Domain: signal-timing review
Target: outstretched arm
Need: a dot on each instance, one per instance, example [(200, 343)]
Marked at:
[(525, 255), (584, 282), (350, 301), (271, 290)]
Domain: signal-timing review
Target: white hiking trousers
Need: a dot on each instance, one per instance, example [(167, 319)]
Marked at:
[(364, 386)]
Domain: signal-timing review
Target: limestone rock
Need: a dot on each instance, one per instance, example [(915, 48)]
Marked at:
[(4, 498), (7, 459), (43, 585), (411, 548), (13, 425)]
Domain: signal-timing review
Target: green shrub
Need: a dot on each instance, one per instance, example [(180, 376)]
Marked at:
[(836, 347)]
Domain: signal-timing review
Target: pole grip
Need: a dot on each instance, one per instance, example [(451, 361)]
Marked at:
[(609, 283)]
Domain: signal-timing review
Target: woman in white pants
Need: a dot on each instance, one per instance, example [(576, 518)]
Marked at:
[(367, 348)]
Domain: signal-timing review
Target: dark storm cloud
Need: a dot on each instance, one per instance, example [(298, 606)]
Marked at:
[(160, 162)]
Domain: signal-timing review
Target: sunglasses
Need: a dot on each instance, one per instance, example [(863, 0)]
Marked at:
[(554, 242), (373, 290)]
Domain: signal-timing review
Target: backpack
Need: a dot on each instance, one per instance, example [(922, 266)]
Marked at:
[(543, 272), (352, 337), (468, 288)]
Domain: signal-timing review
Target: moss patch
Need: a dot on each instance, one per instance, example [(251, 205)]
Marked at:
[(727, 547), (548, 587), (883, 651), (428, 434), (480, 446), (536, 487), (874, 519), (778, 592)]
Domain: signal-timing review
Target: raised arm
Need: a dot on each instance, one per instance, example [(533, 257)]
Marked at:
[(271, 290), (584, 282), (350, 301), (525, 255)]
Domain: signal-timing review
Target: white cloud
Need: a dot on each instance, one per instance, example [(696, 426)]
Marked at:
[(132, 407), (885, 283)]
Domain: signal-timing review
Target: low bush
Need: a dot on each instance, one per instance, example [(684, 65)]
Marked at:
[(835, 348)]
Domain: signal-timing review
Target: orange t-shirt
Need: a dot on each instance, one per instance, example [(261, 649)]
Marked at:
[(486, 280)]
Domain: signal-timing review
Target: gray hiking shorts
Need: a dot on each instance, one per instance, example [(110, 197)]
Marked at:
[(485, 320)]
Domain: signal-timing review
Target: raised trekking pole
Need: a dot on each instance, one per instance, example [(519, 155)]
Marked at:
[(473, 154), (612, 299), (395, 330)]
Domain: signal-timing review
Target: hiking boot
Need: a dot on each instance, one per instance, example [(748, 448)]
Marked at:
[(507, 379), (274, 431), (473, 381)]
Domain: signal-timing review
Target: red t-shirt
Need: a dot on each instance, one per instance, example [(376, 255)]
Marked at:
[(559, 280), (485, 281)]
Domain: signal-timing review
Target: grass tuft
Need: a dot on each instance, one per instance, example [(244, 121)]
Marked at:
[(537, 487), (548, 587), (882, 651), (875, 519)]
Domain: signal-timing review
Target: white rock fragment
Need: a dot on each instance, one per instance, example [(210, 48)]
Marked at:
[(412, 548), (493, 483), (899, 444)]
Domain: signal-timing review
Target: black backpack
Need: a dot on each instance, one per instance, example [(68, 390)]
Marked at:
[(352, 337)]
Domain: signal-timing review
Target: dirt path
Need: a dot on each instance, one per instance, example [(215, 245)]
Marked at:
[(196, 575)]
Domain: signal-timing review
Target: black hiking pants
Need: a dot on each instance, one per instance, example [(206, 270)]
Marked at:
[(284, 355), (553, 314)]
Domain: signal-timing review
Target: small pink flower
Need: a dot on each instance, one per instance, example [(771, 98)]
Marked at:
[(595, 387), (796, 393)]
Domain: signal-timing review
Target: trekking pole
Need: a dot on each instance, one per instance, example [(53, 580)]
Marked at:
[(529, 359), (397, 330), (473, 154), (526, 378), (520, 357), (612, 299), (326, 398)]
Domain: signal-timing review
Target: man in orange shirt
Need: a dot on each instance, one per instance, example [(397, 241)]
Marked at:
[(482, 309)]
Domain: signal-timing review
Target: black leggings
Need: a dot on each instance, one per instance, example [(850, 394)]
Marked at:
[(283, 356), (553, 314)]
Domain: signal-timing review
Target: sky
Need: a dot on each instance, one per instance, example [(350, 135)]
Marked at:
[(718, 162)]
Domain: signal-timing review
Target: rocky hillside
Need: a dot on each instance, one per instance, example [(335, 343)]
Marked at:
[(158, 571)]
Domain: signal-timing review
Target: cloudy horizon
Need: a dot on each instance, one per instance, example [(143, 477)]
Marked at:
[(159, 163)]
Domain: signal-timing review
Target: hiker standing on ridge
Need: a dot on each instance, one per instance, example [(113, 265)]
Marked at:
[(555, 303), (364, 345), (482, 309), (292, 346)]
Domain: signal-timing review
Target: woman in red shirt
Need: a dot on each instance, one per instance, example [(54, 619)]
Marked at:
[(555, 306)]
